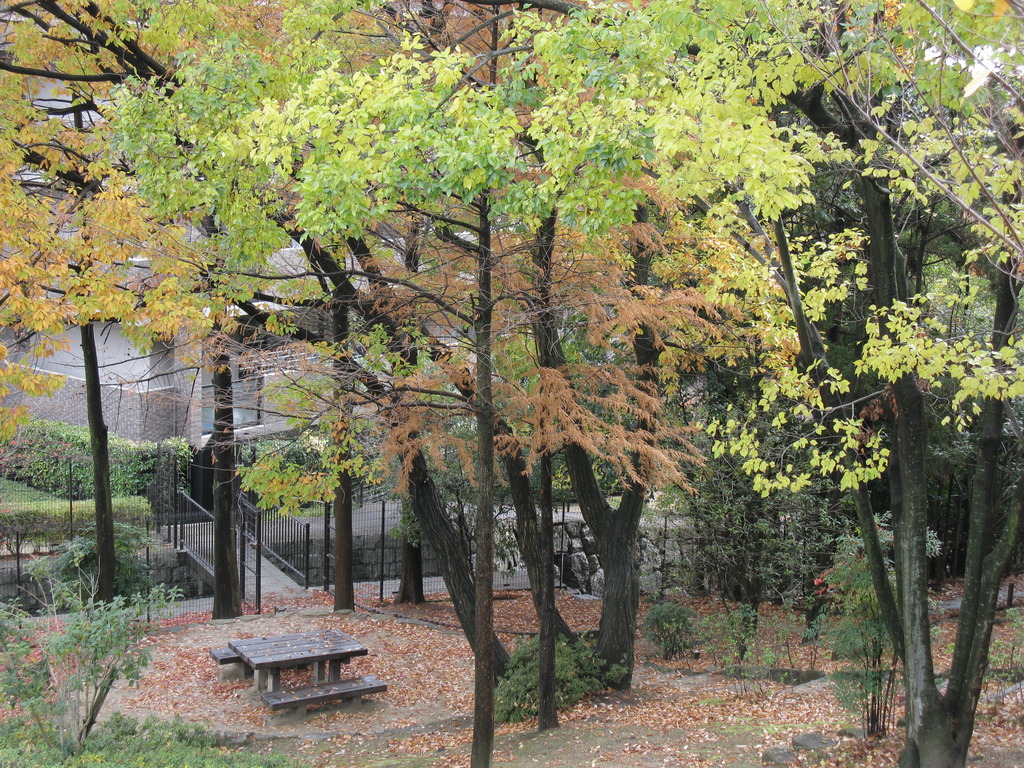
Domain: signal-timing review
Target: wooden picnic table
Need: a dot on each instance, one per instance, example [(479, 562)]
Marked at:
[(326, 650)]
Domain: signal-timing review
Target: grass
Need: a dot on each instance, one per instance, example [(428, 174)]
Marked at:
[(126, 743), (19, 493)]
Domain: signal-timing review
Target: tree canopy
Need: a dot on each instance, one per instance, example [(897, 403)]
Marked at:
[(561, 222)]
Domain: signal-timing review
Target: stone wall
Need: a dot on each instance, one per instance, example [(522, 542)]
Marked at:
[(366, 558), (579, 564)]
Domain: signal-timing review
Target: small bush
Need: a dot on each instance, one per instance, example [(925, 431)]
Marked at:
[(58, 670), (578, 672), (120, 733), (46, 523), (671, 627), (125, 508), (77, 563), (859, 636)]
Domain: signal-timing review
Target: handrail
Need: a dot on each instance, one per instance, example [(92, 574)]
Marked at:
[(295, 529), (187, 538)]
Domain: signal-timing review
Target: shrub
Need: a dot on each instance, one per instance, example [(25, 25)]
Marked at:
[(77, 562), (1006, 658), (125, 743), (671, 627), (56, 457), (126, 509), (58, 670), (45, 523), (578, 672), (858, 635)]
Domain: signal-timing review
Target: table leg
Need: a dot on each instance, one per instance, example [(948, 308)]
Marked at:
[(334, 673), (268, 679)]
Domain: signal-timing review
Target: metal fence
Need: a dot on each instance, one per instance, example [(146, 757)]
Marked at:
[(35, 524)]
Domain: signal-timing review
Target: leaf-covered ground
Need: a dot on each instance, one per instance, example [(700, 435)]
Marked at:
[(680, 712)]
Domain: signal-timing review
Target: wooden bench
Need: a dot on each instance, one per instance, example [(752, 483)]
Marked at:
[(224, 656), (320, 693)]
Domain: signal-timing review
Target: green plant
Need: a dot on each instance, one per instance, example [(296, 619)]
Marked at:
[(46, 523), (578, 672), (742, 629), (55, 457), (76, 562), (858, 634), (122, 742), (671, 627), (730, 637), (58, 669), (121, 732), (1006, 658)]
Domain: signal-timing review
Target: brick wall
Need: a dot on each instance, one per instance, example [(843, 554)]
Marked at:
[(129, 413)]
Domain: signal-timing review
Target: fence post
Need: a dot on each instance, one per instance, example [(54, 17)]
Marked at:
[(259, 562), (306, 555), (327, 545), (383, 522), (240, 533), (17, 555), (561, 552), (71, 504)]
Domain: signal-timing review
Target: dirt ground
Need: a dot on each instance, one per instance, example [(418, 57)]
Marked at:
[(676, 714)]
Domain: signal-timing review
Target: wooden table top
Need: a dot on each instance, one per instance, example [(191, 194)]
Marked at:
[(282, 651)]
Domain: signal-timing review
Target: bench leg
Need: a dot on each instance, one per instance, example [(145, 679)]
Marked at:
[(235, 671), (289, 715), (268, 679), (351, 704)]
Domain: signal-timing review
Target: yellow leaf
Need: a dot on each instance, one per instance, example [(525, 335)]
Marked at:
[(964, 5), (1001, 7)]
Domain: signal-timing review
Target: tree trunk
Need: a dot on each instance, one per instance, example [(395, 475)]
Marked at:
[(452, 553), (410, 584), (227, 598), (483, 686), (928, 733), (344, 587), (617, 636), (929, 739), (547, 711), (529, 537), (106, 555), (546, 333)]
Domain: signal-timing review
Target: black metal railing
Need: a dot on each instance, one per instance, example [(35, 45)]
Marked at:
[(284, 538), (192, 530), (250, 554)]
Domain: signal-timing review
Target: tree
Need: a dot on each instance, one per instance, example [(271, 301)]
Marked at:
[(602, 162), (227, 597), (363, 165), (73, 238), (85, 248), (901, 91)]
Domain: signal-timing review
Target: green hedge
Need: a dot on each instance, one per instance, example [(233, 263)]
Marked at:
[(46, 522), (42, 454)]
